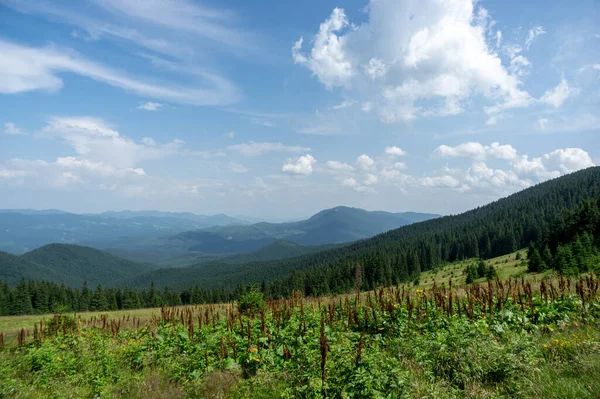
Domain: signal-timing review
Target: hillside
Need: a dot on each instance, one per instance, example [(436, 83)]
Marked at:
[(398, 255), (330, 226), (281, 249), (72, 265), (12, 268)]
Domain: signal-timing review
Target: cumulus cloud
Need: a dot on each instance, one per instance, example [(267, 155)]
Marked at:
[(12, 130), (339, 167), (365, 162), (557, 96), (327, 60), (302, 166), (415, 59), (361, 188), (370, 180), (439, 181), (150, 106), (253, 149), (94, 140), (229, 135), (476, 150), (395, 151)]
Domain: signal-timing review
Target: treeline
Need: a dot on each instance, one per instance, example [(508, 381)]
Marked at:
[(398, 256), (39, 297), (572, 246), (496, 229)]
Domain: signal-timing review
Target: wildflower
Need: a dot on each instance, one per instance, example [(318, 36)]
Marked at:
[(253, 350), (380, 329)]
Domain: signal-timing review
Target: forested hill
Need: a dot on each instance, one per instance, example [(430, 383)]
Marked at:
[(399, 255), (70, 265), (13, 268)]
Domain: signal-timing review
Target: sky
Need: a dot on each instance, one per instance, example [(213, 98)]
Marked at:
[(278, 109)]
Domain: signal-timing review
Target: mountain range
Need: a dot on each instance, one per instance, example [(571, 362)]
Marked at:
[(498, 228), (182, 239), (25, 230)]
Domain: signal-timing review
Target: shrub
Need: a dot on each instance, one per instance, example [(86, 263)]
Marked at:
[(252, 301)]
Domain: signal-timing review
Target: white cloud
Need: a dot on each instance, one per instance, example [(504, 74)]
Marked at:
[(183, 16), (9, 174), (553, 164), (439, 181), (501, 151), (343, 105), (366, 163), (567, 160), (400, 165), (360, 188), (557, 96), (229, 135), (302, 166), (150, 106), (327, 60), (149, 141), (395, 151), (375, 68), (465, 150), (418, 59), (543, 123), (370, 180), (520, 66), (253, 149), (339, 167), (12, 130), (24, 69), (94, 140), (498, 38), (532, 34), (481, 176), (476, 151)]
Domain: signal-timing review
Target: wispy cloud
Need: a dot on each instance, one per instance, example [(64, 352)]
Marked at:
[(150, 106), (253, 149), (183, 16), (12, 130), (24, 68)]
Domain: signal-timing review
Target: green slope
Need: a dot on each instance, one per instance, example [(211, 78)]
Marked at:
[(12, 268), (488, 231), (73, 264), (281, 249)]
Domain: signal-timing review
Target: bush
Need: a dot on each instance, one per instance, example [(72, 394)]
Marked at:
[(252, 301)]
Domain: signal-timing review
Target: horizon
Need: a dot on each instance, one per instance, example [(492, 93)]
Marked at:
[(240, 109), (248, 219)]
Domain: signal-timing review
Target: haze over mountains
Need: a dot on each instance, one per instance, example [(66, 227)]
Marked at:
[(177, 239), (495, 229)]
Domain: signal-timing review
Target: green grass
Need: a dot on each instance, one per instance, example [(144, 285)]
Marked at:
[(506, 266), (309, 348)]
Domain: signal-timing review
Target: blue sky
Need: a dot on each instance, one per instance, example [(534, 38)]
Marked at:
[(277, 109)]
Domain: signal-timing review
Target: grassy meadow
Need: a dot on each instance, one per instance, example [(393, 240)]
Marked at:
[(523, 337), (506, 266)]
